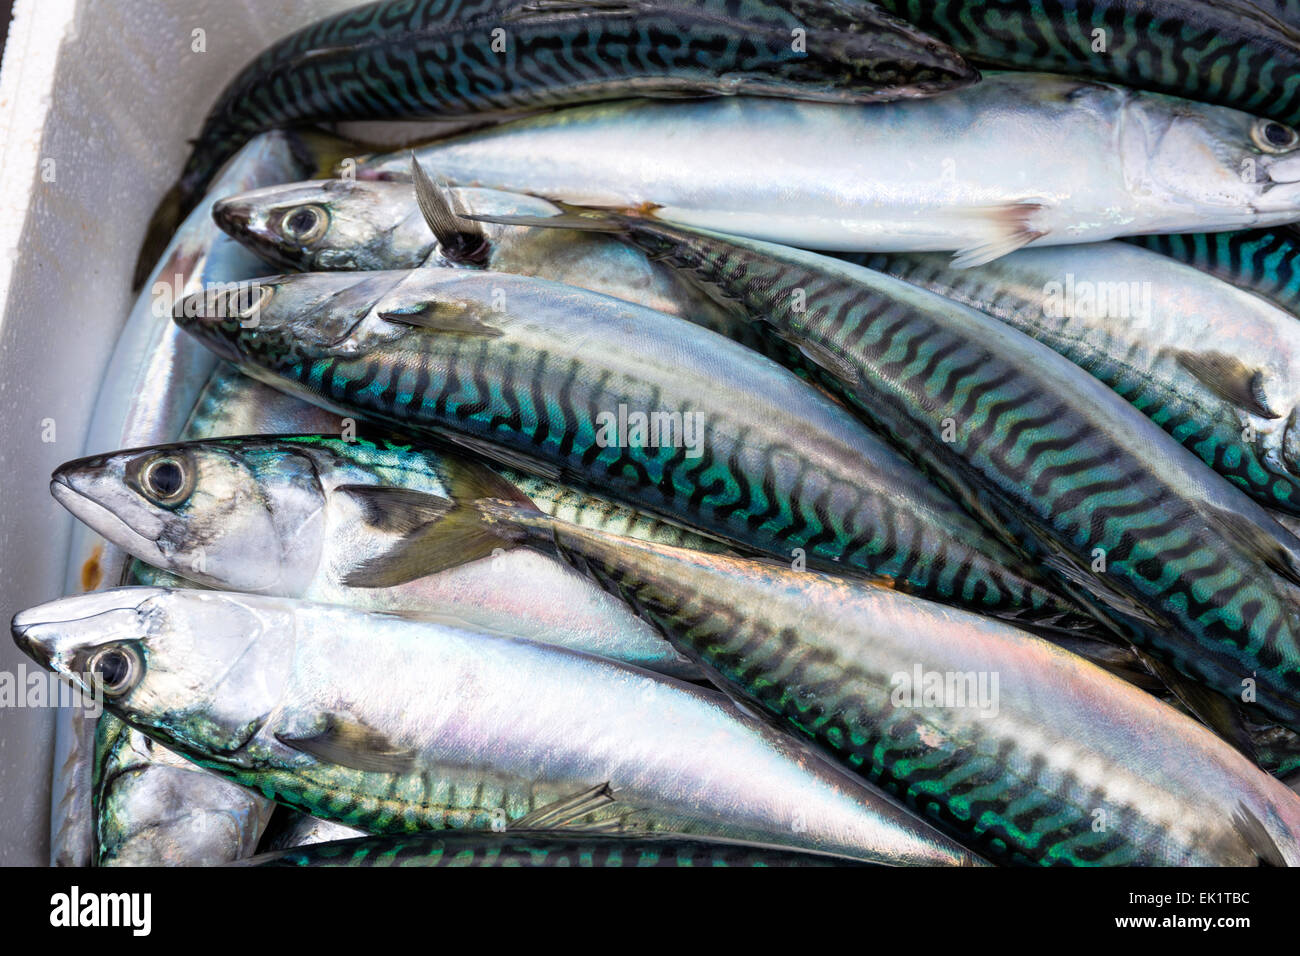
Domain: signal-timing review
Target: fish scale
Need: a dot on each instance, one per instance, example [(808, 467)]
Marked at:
[(533, 393), (1263, 261), (1214, 52), (1031, 435)]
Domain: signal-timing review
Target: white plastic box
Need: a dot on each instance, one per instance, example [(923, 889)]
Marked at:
[(97, 101)]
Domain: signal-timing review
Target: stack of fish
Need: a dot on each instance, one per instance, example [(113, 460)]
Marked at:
[(763, 453)]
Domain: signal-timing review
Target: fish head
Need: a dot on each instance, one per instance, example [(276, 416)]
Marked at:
[(288, 320), (329, 225), (247, 515), (303, 322), (1231, 169), (197, 670)]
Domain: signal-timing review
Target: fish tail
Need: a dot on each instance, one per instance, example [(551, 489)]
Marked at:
[(162, 226)]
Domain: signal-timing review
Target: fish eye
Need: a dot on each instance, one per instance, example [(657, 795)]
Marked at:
[(304, 224), (166, 480), (116, 669), (1274, 137)]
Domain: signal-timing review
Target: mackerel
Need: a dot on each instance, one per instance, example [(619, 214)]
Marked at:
[(544, 849), (1018, 159), (1240, 53), (1025, 753), (319, 518), (351, 224), (395, 726)]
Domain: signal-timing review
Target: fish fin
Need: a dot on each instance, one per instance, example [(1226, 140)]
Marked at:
[(581, 218), (1257, 540), (164, 222), (1229, 378), (1012, 231), (400, 511), (432, 533), (461, 240), (540, 9), (350, 743), (442, 317), (1066, 566), (563, 812), (507, 458), (825, 359), (1218, 712), (1252, 830), (1119, 658)]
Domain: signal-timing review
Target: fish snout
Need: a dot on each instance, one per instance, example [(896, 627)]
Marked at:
[(233, 216)]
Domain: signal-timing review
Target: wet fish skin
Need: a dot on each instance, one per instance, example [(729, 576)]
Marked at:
[(1215, 367), (432, 727), (1018, 159), (1216, 52), (1263, 261), (367, 225), (1287, 11), (442, 58), (543, 849), (522, 369), (1021, 770), (299, 516), (1022, 432)]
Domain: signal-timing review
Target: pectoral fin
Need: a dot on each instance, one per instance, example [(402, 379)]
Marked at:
[(350, 743), (1216, 711), (1010, 228), (430, 533), (1096, 586), (1252, 830), (1230, 379), (451, 317)]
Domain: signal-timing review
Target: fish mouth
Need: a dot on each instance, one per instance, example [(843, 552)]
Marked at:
[(237, 218), (232, 216), (103, 520)]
